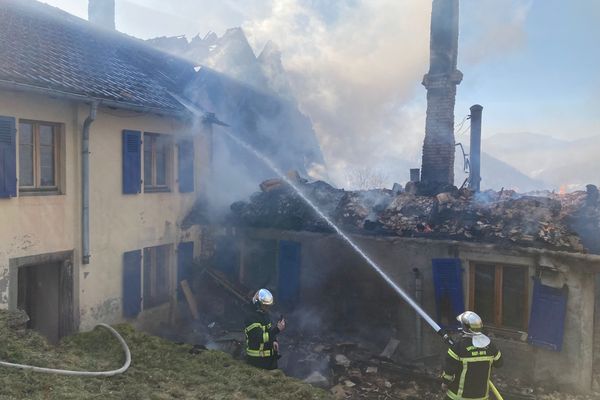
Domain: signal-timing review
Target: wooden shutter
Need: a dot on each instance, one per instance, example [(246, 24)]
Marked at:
[(186, 165), (548, 312), (132, 160), (8, 157), (290, 262), (132, 283), (449, 298), (185, 259)]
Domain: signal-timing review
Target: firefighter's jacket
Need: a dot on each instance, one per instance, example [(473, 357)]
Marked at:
[(467, 370), (260, 335)]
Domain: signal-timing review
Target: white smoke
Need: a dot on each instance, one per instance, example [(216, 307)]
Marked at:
[(355, 75), (500, 27)]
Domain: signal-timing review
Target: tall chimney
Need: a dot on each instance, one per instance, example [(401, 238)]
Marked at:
[(102, 13), (475, 148), (441, 82)]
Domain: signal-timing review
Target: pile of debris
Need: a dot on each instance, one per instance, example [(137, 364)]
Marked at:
[(351, 371), (569, 222)]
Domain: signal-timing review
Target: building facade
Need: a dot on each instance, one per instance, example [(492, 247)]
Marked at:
[(99, 164)]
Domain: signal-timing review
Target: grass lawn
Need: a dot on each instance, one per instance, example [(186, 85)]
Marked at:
[(159, 370)]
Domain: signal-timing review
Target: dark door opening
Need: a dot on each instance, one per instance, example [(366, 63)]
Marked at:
[(39, 295)]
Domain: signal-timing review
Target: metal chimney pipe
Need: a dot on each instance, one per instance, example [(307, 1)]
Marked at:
[(475, 149)]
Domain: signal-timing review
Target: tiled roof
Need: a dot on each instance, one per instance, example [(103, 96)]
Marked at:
[(44, 47)]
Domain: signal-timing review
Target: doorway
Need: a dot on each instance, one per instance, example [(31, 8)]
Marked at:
[(43, 286), (38, 296)]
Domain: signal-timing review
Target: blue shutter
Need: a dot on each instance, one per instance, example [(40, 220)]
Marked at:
[(547, 319), (185, 259), (132, 162), (8, 157), (289, 273), (186, 166), (132, 283), (449, 300)]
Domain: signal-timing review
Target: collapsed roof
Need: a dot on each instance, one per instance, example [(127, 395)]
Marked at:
[(565, 222)]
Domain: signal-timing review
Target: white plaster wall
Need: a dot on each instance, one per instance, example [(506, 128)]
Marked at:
[(118, 223), (31, 225)]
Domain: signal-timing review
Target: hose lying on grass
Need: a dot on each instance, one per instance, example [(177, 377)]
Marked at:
[(82, 373)]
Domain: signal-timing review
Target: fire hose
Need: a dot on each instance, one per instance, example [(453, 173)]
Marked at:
[(211, 118), (82, 373)]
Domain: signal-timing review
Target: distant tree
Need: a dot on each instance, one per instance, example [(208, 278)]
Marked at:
[(365, 178)]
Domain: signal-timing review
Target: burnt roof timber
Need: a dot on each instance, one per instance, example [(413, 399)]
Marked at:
[(593, 260)]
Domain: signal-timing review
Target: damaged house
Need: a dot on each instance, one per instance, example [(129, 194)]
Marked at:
[(101, 158), (528, 264)]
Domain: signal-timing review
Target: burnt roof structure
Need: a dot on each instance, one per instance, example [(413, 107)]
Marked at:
[(45, 49), (561, 222)]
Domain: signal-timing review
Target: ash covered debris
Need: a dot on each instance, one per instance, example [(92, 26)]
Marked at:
[(566, 222)]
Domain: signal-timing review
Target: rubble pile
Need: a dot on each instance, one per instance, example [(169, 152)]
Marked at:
[(569, 222), (350, 371)]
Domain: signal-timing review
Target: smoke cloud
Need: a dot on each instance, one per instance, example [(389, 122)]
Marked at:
[(354, 67), (500, 27)]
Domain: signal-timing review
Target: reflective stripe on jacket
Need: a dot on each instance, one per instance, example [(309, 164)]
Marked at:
[(260, 335), (467, 370)]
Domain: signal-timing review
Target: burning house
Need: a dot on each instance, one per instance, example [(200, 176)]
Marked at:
[(527, 264), (108, 177)]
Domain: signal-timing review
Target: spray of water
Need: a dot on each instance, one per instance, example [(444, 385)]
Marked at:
[(341, 233)]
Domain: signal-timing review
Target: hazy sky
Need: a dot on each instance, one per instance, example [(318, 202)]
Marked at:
[(356, 65)]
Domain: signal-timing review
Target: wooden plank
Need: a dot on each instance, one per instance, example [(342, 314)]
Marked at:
[(498, 296), (390, 348), (189, 297), (526, 300)]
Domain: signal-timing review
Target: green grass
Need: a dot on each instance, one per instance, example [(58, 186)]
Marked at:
[(159, 370)]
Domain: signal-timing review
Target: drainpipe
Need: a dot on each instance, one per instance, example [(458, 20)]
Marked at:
[(475, 150), (418, 299), (85, 184)]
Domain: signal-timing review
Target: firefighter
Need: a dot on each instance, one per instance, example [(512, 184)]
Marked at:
[(469, 361), (262, 349)]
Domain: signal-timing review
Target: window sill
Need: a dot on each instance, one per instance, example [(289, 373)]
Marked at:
[(40, 192), (156, 189), (506, 333)]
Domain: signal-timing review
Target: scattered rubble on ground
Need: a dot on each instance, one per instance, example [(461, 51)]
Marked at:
[(569, 222)]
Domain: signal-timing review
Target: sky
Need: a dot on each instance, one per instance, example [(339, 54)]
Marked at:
[(356, 65)]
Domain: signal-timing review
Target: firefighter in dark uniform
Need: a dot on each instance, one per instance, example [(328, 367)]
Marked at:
[(469, 362), (262, 349)]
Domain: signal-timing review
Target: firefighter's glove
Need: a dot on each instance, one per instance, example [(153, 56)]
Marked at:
[(281, 325)]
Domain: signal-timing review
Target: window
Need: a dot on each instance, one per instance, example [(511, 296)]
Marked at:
[(157, 155), (157, 275), (39, 155), (500, 294)]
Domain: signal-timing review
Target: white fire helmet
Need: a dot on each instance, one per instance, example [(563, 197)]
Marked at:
[(471, 325), (263, 297)]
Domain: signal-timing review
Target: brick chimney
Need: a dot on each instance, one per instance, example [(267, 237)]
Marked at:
[(441, 82), (102, 13)]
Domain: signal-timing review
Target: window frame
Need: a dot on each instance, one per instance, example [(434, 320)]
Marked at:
[(153, 187), (37, 188), (156, 298), (497, 324)]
